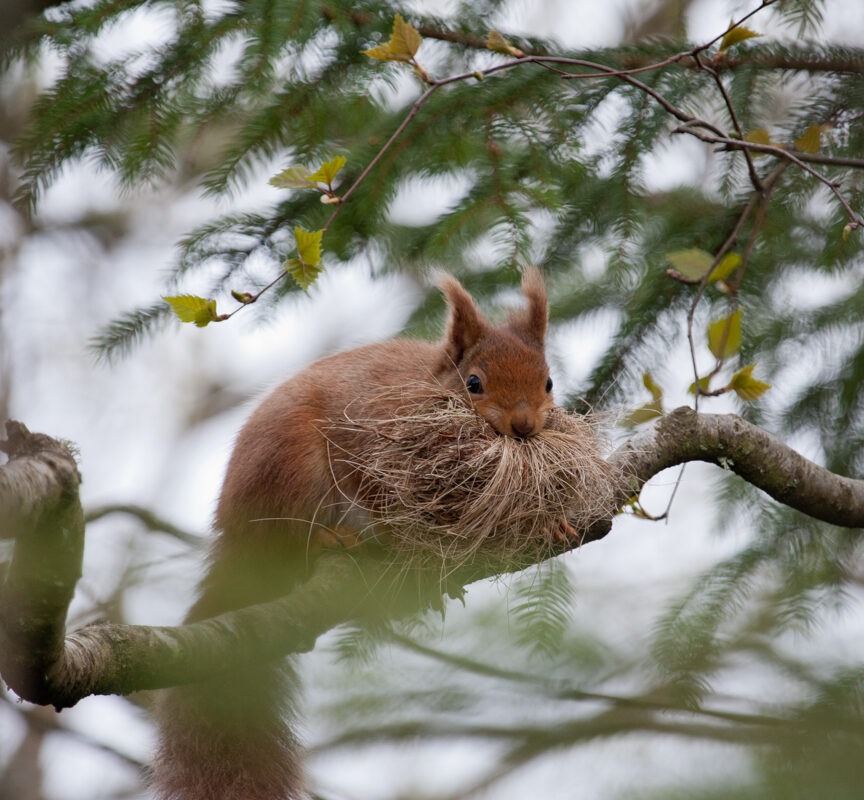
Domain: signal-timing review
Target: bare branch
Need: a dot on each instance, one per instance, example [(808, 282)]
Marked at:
[(42, 721), (151, 521)]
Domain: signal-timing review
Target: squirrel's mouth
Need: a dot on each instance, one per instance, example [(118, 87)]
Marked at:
[(520, 428)]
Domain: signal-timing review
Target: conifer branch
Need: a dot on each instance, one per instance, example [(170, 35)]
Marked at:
[(850, 62)]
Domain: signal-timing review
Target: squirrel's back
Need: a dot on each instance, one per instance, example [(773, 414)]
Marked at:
[(281, 463)]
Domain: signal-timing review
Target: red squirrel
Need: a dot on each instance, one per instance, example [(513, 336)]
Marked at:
[(229, 737)]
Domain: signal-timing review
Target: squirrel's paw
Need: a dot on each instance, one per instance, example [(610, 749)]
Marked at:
[(566, 533), (338, 537)]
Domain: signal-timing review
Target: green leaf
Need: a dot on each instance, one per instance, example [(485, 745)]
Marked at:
[(190, 308), (644, 413), (304, 274), (728, 264), (305, 269), (703, 384), (652, 386), (738, 34), (724, 336), (758, 136), (404, 43), (308, 246), (296, 177), (692, 263), (650, 410), (695, 262), (327, 171), (811, 140), (746, 386)]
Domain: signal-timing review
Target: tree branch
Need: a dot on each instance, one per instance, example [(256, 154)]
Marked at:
[(41, 510), (40, 475), (754, 454), (44, 665)]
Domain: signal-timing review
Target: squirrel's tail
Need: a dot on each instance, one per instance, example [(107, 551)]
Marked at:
[(229, 738)]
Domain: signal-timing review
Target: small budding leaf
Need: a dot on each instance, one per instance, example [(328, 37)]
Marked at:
[(308, 246), (190, 308), (847, 230), (738, 34), (692, 263), (403, 45), (305, 269), (495, 41), (328, 170), (296, 177), (304, 274), (242, 297), (811, 140), (703, 385), (746, 386), (724, 336)]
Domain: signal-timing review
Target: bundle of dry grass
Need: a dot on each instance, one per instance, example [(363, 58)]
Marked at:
[(443, 483)]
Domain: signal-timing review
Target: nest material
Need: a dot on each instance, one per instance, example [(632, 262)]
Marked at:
[(444, 484)]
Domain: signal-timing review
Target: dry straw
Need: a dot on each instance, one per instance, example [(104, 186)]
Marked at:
[(444, 484)]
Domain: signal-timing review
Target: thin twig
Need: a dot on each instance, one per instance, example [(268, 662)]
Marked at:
[(751, 168), (725, 247), (797, 158), (150, 520), (769, 186)]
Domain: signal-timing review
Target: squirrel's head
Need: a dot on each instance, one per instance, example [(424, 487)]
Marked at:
[(502, 369)]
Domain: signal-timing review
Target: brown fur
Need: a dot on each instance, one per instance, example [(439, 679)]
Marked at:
[(228, 739)]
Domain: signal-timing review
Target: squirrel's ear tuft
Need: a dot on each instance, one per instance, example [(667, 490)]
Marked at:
[(466, 323), (530, 323)]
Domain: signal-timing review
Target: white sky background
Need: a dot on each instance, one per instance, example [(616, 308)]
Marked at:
[(132, 423)]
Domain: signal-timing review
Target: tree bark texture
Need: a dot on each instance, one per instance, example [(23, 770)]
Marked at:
[(40, 509)]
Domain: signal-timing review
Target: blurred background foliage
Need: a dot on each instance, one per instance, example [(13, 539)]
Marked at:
[(588, 179)]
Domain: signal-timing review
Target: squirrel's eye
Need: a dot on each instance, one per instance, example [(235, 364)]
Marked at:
[(548, 384), (474, 385)]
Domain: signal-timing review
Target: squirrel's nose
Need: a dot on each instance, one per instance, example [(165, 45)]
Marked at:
[(522, 427)]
